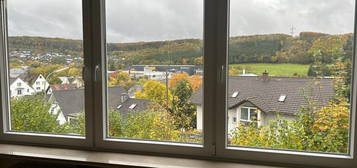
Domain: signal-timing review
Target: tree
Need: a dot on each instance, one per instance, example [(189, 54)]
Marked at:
[(156, 92), (194, 80), (121, 79), (183, 110), (32, 114), (115, 124), (198, 60)]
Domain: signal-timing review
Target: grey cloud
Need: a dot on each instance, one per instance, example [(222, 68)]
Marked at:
[(278, 16), (152, 20)]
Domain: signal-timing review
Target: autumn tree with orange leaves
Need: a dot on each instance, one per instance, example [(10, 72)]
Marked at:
[(194, 80)]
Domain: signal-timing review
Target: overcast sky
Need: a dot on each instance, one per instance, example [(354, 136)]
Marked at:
[(153, 20)]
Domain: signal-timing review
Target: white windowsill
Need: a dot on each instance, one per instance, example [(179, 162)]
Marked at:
[(119, 159)]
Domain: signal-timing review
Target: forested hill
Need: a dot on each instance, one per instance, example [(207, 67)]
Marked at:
[(271, 48)]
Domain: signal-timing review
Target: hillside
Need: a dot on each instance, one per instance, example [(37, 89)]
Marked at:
[(271, 48)]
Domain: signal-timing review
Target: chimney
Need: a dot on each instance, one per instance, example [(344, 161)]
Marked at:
[(265, 75), (124, 97)]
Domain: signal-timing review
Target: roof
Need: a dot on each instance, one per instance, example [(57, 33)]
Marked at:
[(63, 87), (12, 80), (140, 105), (265, 94), (72, 101)]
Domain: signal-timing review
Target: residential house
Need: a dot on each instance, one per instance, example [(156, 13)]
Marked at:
[(19, 88), (69, 103), (40, 84), (78, 81), (262, 98)]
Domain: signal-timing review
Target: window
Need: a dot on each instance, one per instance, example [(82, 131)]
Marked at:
[(235, 94), (249, 114), (36, 45), (299, 63), (273, 83), (282, 98), (132, 106), (19, 84), (156, 66)]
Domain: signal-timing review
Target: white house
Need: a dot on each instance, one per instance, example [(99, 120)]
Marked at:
[(40, 84), (262, 98), (19, 88)]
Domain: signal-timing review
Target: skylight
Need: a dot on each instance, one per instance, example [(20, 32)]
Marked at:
[(235, 94), (282, 98), (132, 106), (119, 107)]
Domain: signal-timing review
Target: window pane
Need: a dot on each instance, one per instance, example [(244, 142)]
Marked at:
[(155, 70), (253, 115), (292, 62), (45, 57), (244, 114)]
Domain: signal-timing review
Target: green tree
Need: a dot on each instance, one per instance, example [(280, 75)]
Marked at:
[(183, 110), (155, 91), (31, 114)]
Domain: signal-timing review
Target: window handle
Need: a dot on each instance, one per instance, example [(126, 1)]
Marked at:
[(222, 73), (96, 72)]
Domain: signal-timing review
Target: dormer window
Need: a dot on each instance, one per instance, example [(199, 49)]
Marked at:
[(132, 106), (235, 94), (282, 98)]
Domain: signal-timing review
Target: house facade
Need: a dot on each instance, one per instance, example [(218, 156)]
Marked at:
[(262, 99), (40, 84), (19, 88)]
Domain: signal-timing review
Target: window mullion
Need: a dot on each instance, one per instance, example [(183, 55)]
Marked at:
[(94, 50), (222, 25)]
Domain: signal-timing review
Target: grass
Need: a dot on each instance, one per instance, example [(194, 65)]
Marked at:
[(285, 70)]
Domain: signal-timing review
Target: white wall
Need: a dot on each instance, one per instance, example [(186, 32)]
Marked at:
[(263, 118), (19, 84), (199, 118), (40, 84)]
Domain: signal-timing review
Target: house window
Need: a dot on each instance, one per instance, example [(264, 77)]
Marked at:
[(235, 94), (132, 106), (249, 114), (282, 98), (19, 84), (37, 83), (19, 92)]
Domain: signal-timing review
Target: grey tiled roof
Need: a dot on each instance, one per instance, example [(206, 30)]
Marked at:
[(141, 105), (72, 101), (265, 94)]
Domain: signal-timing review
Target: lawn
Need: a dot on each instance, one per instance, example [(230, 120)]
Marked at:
[(287, 70)]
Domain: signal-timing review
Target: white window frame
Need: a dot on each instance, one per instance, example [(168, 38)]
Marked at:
[(8, 136), (248, 108), (279, 157)]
